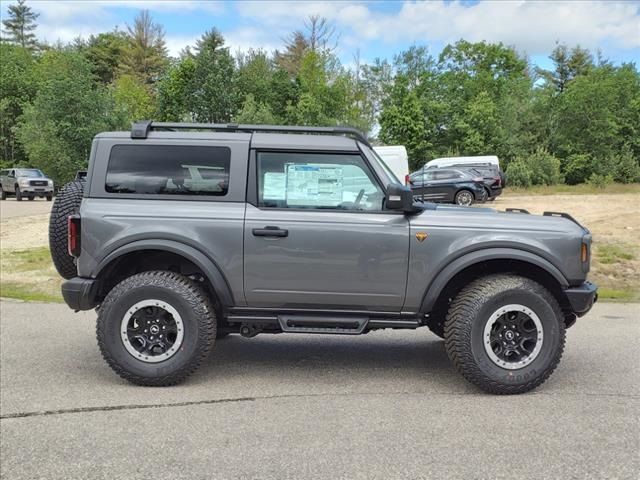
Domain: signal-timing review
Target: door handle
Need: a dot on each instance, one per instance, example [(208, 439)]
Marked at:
[(270, 231)]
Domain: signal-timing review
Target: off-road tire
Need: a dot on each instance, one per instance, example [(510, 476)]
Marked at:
[(193, 305), (459, 195), (67, 203), (18, 194), (466, 320), (49, 197), (31, 198)]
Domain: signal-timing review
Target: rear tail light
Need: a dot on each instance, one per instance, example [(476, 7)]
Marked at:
[(73, 238), (498, 179), (407, 180)]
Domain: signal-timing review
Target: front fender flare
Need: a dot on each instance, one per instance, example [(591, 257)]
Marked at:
[(456, 266), (203, 262)]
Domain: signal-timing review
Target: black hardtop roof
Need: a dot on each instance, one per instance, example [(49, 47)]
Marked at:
[(141, 129)]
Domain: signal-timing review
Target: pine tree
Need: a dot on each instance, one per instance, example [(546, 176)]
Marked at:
[(20, 25), (146, 55)]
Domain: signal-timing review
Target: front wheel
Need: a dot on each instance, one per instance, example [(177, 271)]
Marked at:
[(18, 194), (464, 198), (156, 328), (505, 333), (3, 194)]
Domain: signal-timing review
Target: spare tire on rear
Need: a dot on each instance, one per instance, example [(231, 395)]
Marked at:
[(67, 203)]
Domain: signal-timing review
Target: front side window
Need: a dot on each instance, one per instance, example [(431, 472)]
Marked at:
[(168, 170), (317, 181)]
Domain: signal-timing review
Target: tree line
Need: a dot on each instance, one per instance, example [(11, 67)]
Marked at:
[(577, 122)]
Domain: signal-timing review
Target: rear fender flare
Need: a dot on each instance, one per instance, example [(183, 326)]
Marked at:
[(202, 261)]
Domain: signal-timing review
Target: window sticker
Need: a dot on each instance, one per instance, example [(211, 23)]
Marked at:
[(274, 186), (314, 185)]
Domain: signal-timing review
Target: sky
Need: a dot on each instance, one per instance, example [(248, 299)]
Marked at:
[(372, 28)]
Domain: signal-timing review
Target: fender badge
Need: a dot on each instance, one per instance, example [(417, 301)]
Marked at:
[(421, 236)]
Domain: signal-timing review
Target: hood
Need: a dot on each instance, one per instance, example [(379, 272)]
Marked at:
[(491, 219)]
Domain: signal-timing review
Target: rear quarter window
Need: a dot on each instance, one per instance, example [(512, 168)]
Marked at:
[(168, 170)]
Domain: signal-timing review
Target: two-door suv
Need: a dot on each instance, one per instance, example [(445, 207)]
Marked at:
[(184, 233)]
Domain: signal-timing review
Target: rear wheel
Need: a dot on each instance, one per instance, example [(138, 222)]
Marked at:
[(464, 198), (156, 328), (505, 333), (3, 194)]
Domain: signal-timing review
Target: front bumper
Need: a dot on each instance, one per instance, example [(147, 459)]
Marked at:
[(80, 293), (36, 190), (582, 297)]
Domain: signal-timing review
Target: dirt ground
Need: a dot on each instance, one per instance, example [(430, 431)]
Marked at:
[(614, 220), (24, 224), (614, 217)]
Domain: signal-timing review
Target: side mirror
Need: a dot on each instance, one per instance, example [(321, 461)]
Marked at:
[(400, 197)]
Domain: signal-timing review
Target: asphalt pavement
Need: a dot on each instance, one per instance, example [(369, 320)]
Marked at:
[(385, 405)]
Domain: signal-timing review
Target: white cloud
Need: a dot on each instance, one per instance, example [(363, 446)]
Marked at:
[(531, 26), (66, 20), (245, 38)]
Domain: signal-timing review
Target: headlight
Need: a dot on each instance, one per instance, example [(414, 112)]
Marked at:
[(51, 183), (23, 183)]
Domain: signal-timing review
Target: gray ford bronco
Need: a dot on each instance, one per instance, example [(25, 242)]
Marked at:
[(185, 233)]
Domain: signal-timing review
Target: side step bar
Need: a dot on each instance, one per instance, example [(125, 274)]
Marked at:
[(311, 324), (332, 324)]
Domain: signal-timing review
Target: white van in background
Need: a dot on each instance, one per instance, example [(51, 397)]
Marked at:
[(397, 159), (459, 161)]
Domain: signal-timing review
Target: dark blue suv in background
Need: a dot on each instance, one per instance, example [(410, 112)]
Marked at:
[(448, 185)]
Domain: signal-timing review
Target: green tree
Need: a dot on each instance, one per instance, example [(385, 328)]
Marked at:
[(568, 64), (212, 96), (17, 89), (20, 25), (133, 101), (402, 122), (519, 174), (106, 52), (174, 89), (325, 93), (69, 109), (253, 112), (146, 54)]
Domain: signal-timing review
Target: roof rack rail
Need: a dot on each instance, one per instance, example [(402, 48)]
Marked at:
[(141, 129)]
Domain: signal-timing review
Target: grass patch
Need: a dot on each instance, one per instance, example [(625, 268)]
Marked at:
[(27, 292), (582, 189), (613, 253), (29, 275), (30, 259), (614, 295)]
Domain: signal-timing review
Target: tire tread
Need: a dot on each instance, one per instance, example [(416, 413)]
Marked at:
[(190, 291), (458, 327)]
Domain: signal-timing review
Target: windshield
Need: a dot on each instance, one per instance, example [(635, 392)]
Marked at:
[(31, 172), (371, 153)]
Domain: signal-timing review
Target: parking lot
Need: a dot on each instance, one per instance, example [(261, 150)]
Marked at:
[(384, 405)]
